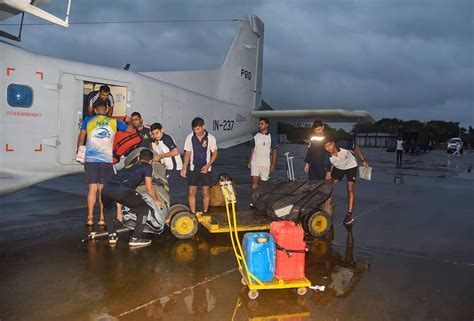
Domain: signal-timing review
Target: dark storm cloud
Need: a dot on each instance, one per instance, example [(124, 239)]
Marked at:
[(405, 59)]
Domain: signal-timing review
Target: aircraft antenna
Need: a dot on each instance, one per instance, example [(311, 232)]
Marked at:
[(67, 13)]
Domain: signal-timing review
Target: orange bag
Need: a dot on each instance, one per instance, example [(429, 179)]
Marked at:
[(124, 143)]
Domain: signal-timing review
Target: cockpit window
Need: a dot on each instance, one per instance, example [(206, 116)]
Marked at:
[(19, 96)]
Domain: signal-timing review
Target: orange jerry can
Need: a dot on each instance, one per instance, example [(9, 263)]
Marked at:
[(291, 250)]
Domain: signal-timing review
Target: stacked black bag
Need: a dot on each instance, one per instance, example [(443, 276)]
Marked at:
[(291, 200)]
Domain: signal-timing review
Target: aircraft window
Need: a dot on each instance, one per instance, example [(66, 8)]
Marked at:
[(19, 96)]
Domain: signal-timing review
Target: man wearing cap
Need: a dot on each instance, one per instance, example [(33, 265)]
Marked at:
[(316, 162)]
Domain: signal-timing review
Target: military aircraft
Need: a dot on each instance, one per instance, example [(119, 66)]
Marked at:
[(42, 100), (10, 8)]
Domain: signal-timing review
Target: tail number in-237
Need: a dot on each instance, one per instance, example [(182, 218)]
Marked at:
[(224, 125)]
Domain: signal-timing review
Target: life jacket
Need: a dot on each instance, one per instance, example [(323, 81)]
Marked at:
[(124, 143)]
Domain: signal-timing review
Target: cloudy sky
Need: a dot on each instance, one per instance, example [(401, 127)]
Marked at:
[(409, 59)]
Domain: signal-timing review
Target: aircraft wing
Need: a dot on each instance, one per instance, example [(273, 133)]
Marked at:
[(9, 8), (326, 115)]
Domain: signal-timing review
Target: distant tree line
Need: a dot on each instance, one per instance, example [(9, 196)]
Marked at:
[(437, 131)]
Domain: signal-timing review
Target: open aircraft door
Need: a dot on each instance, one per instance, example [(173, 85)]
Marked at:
[(70, 117), (72, 95)]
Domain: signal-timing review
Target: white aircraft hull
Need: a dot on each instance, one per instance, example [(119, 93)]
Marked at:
[(38, 142)]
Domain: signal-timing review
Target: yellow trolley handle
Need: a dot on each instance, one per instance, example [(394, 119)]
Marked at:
[(229, 196)]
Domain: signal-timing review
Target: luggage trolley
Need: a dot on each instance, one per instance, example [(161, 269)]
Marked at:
[(248, 279)]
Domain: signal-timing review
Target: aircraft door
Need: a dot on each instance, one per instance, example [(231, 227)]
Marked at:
[(70, 118), (171, 120)]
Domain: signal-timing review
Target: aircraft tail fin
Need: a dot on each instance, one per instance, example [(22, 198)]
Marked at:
[(239, 80), (240, 76)]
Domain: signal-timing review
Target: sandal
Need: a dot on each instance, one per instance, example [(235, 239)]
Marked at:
[(101, 223), (89, 221)]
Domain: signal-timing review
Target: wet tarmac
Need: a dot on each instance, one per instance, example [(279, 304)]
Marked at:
[(409, 255)]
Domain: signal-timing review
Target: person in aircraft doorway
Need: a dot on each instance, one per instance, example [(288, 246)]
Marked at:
[(100, 131), (100, 97)]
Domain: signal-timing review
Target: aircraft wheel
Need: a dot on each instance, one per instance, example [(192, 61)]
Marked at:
[(184, 225), (253, 294), (318, 223), (302, 291), (242, 280)]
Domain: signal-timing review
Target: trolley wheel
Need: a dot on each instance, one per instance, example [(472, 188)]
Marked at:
[(242, 280), (178, 207), (302, 291), (253, 294), (184, 225), (318, 223), (184, 251)]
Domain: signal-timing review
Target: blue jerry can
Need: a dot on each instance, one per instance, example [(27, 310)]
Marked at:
[(260, 251)]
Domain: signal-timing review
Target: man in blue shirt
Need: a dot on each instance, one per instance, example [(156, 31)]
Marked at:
[(121, 189), (200, 152), (100, 131)]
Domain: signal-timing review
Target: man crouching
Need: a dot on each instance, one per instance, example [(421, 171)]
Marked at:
[(121, 189)]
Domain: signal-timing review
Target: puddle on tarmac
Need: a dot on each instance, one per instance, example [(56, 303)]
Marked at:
[(197, 280)]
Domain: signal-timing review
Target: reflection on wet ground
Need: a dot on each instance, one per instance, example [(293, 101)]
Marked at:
[(408, 256)]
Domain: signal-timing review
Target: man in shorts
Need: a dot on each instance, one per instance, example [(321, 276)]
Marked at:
[(263, 154), (200, 152), (100, 131), (344, 163)]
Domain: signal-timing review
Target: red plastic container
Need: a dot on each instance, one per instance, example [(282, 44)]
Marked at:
[(290, 256)]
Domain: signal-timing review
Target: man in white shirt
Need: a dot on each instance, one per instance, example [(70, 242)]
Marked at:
[(200, 152), (263, 154), (166, 152), (399, 150), (344, 163)]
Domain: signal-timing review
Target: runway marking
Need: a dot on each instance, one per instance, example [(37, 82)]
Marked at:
[(206, 280)]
